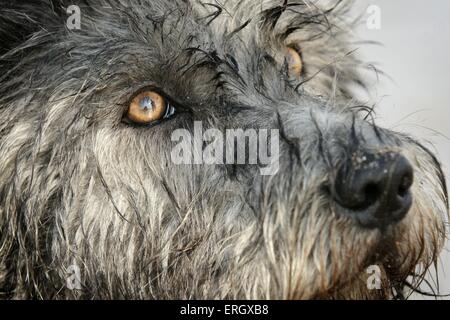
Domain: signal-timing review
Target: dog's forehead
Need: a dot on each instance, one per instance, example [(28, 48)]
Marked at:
[(229, 13), (192, 48), (246, 26), (221, 17)]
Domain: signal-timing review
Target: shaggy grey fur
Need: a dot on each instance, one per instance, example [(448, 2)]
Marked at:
[(78, 186)]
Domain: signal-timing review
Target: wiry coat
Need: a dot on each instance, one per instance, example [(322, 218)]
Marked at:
[(80, 187)]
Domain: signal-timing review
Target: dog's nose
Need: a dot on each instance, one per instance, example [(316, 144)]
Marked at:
[(374, 189)]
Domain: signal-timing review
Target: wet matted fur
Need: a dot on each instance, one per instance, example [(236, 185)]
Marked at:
[(80, 187)]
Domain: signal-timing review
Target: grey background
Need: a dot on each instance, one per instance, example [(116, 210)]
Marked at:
[(415, 53)]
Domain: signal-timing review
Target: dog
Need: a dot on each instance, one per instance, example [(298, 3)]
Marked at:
[(93, 205)]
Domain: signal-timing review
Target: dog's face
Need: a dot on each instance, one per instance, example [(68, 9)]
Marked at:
[(88, 177)]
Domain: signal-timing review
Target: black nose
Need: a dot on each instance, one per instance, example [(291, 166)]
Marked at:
[(374, 189)]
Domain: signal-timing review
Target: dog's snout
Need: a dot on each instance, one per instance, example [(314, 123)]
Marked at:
[(375, 189)]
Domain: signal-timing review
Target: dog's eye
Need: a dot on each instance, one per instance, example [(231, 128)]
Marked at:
[(148, 107), (294, 61)]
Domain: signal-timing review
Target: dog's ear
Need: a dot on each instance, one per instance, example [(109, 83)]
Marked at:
[(21, 19)]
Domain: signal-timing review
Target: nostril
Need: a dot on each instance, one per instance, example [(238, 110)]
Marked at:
[(405, 185), (372, 193)]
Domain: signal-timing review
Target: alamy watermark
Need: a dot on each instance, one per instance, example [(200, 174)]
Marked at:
[(374, 18), (232, 146), (374, 279), (74, 20), (73, 281)]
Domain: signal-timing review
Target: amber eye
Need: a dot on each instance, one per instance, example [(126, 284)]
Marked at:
[(294, 61), (148, 107)]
